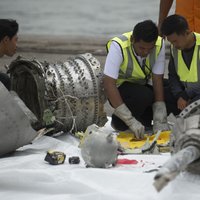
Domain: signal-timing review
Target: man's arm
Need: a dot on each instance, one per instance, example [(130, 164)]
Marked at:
[(159, 108), (157, 74), (176, 86), (112, 91), (158, 87), (165, 6), (111, 70), (121, 110)]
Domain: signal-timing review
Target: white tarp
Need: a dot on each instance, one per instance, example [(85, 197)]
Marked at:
[(26, 176)]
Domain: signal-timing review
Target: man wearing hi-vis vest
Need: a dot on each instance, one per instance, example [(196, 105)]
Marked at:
[(134, 59), (184, 64)]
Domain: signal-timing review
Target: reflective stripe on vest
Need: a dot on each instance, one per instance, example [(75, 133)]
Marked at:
[(130, 69), (192, 75)]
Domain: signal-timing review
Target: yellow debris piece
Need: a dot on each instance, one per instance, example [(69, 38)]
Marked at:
[(128, 141)]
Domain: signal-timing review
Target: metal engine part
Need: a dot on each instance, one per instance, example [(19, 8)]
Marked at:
[(99, 149), (15, 119), (185, 143), (66, 96)]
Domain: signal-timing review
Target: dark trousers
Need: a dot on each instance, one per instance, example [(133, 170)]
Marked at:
[(139, 100), (4, 78), (171, 101)]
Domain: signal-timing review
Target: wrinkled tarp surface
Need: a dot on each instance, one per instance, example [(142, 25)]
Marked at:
[(24, 175)]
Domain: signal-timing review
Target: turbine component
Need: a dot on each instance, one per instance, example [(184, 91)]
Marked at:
[(185, 144), (66, 96), (15, 119), (99, 149)]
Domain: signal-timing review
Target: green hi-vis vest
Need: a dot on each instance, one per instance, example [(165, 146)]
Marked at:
[(189, 77), (130, 69)]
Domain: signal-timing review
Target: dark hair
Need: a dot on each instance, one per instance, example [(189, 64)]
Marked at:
[(174, 24), (146, 31), (8, 27)]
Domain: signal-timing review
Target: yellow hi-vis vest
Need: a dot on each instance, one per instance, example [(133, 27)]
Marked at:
[(130, 69), (189, 77)]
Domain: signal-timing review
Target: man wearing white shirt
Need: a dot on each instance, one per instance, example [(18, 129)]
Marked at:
[(134, 59)]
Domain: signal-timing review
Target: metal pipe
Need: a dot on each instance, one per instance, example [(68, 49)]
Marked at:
[(175, 165)]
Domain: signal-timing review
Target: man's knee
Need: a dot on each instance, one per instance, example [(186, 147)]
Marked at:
[(5, 79), (118, 124)]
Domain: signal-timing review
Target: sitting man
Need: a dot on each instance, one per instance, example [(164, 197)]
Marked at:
[(184, 64), (8, 42), (16, 120), (133, 59)]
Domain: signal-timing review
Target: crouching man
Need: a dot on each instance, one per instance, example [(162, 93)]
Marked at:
[(134, 59)]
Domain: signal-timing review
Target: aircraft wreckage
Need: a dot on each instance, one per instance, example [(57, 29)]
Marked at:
[(184, 145), (68, 97), (63, 97)]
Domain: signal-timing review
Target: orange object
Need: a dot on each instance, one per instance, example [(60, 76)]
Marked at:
[(190, 9)]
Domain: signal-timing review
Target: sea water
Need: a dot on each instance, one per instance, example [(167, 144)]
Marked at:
[(78, 17)]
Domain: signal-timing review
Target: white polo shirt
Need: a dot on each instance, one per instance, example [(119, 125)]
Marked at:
[(114, 60)]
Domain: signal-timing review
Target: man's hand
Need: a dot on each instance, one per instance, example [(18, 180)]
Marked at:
[(125, 115), (181, 103), (159, 117)]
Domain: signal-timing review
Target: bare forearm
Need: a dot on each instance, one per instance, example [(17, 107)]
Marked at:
[(158, 87), (165, 6), (112, 92)]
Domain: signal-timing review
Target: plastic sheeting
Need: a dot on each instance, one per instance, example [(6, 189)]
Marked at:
[(25, 175)]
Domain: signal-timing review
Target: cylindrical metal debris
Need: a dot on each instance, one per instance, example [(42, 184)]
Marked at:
[(66, 96)]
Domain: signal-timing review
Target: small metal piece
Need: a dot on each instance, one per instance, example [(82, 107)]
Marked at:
[(48, 117), (55, 157), (151, 170), (74, 160)]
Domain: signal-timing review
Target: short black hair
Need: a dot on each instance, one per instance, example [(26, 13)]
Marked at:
[(174, 24), (8, 27), (146, 31)]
